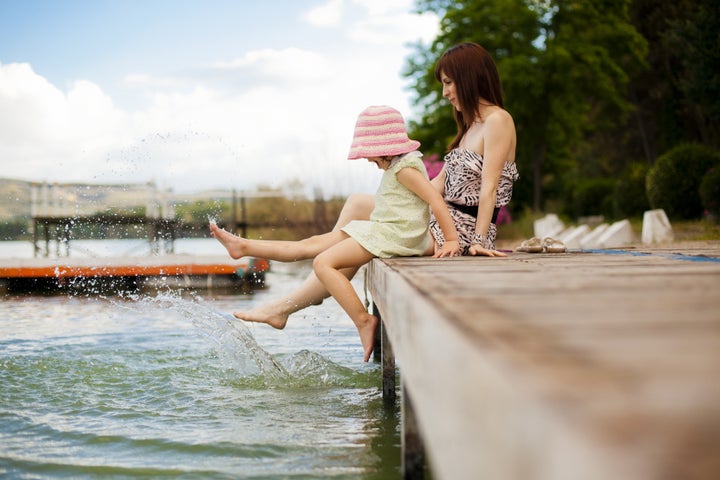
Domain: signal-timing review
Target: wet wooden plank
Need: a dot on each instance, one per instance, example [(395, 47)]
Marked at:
[(578, 365)]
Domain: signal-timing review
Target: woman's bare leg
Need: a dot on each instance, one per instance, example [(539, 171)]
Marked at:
[(276, 313), (311, 291), (280, 250), (328, 267), (358, 206)]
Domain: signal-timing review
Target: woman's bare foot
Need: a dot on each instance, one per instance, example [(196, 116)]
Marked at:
[(232, 243), (366, 328), (274, 314)]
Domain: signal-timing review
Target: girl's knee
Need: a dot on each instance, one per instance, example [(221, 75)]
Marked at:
[(320, 263), (324, 262)]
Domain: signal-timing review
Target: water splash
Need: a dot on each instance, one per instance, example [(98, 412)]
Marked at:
[(233, 340), (309, 368), (246, 362)]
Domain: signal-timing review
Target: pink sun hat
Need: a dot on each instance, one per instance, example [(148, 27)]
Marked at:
[(380, 132)]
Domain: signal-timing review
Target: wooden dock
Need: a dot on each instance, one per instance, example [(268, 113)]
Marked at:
[(130, 273), (582, 365)]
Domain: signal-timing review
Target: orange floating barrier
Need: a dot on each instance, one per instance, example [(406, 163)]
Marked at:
[(202, 269)]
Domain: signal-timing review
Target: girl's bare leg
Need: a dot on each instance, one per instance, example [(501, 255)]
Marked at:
[(328, 268), (275, 314), (312, 291), (280, 250)]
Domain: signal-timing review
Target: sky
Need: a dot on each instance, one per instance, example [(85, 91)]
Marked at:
[(200, 94)]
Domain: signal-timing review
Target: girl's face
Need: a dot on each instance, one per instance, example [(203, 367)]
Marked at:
[(382, 162), (449, 91)]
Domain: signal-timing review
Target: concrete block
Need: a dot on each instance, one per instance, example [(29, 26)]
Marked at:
[(656, 227), (591, 221), (572, 238), (591, 239), (618, 234), (562, 233), (548, 226)]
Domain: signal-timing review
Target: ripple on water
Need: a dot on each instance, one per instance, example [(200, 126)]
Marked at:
[(166, 386)]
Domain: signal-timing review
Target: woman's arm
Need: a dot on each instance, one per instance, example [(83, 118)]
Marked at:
[(438, 182), (498, 143)]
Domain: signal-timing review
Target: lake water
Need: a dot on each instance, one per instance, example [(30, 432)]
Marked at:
[(168, 385)]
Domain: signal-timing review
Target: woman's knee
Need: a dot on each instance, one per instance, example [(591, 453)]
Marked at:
[(312, 246), (360, 202), (358, 206)]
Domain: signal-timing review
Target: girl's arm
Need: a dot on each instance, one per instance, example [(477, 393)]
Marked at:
[(417, 183)]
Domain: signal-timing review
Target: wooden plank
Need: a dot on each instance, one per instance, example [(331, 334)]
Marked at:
[(559, 366), (413, 451), (387, 359)]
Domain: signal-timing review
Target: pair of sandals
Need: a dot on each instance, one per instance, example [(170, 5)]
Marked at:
[(546, 245)]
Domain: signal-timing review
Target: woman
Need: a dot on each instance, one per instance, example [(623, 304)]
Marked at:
[(476, 180), (483, 151)]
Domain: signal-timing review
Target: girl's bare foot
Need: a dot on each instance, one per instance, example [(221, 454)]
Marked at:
[(232, 243), (366, 328), (274, 314)]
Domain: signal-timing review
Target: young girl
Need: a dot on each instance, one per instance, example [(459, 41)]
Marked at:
[(398, 224)]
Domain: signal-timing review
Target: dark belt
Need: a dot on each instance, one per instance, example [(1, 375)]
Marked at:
[(473, 210)]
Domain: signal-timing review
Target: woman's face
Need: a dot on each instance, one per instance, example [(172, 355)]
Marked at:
[(449, 91)]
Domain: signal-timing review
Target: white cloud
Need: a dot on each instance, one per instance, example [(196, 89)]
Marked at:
[(383, 22), (270, 65), (382, 7), (327, 15), (191, 140), (263, 117), (42, 128), (143, 80), (385, 30)]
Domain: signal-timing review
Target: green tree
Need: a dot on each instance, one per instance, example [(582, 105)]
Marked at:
[(565, 67), (678, 96), (506, 28)]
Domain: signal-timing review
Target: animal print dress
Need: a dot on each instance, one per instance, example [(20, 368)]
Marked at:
[(463, 176)]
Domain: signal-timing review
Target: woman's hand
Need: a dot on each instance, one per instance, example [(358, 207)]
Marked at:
[(479, 250), (448, 249)]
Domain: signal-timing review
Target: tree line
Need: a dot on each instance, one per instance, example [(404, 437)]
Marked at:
[(599, 90)]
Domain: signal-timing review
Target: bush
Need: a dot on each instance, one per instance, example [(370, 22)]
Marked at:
[(710, 191), (673, 182), (593, 197), (630, 198)]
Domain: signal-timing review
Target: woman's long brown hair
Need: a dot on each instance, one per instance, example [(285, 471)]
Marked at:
[(476, 79)]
